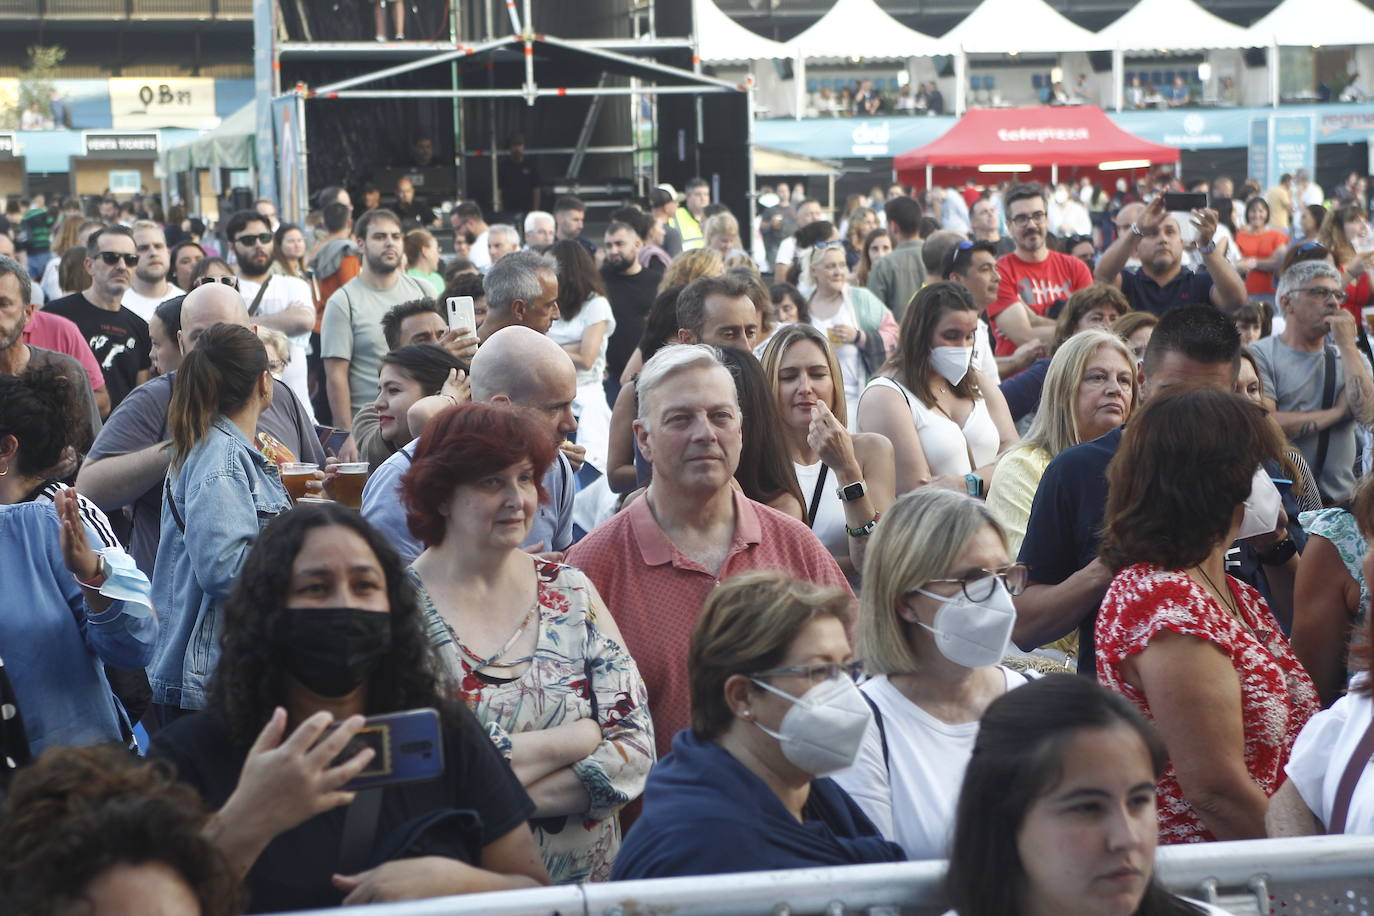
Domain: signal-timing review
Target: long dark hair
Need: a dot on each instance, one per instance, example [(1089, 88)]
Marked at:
[(428, 364), (216, 377), (251, 681), (661, 322), (1018, 757), (910, 362), (765, 471), (578, 277), (39, 410)]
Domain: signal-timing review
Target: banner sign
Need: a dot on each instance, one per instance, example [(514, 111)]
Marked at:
[(1258, 162), (142, 103), (7, 143), (100, 143), (1292, 145)]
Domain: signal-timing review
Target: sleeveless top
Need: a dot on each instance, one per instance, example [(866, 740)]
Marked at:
[(947, 445), (828, 525)]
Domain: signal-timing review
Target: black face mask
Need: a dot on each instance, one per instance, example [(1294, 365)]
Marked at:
[(332, 650)]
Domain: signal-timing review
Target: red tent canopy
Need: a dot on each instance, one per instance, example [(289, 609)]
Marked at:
[(997, 143)]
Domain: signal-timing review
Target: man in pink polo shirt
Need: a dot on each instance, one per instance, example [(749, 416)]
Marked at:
[(655, 562)]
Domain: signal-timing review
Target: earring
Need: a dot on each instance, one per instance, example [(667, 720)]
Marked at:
[(4, 472)]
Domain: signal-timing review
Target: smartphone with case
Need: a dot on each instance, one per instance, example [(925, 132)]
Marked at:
[(331, 439), (408, 747), (461, 315), (1185, 201)]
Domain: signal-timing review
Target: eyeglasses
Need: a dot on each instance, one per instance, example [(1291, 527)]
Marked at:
[(1321, 292), (1021, 219), (817, 673), (980, 586), (248, 241), (113, 257), (227, 281)]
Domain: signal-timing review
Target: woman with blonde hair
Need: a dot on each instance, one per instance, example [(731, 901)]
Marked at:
[(935, 619), (847, 480), (722, 234), (692, 265)]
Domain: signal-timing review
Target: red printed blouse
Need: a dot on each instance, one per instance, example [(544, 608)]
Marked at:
[(1277, 696)]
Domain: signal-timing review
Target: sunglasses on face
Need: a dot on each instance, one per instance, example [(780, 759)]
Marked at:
[(113, 257), (227, 281), (248, 241)]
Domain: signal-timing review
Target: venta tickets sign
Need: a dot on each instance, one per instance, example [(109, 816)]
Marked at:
[(115, 144)]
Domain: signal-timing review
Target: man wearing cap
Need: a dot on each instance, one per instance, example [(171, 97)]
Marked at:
[(689, 217), (663, 206)]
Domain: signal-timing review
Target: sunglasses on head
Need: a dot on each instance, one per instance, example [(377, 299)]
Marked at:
[(261, 238), (227, 281), (113, 257), (833, 243)]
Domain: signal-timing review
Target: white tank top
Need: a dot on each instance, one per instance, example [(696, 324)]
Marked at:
[(946, 444), (828, 525)]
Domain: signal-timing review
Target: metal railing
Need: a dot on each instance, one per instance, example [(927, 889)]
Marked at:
[(106, 10), (1310, 876)]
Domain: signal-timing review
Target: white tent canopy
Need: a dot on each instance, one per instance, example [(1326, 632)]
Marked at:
[(229, 146), (1175, 24), (721, 39), (1303, 22), (1026, 26), (860, 28)]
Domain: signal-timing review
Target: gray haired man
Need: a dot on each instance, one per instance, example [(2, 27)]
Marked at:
[(522, 289)]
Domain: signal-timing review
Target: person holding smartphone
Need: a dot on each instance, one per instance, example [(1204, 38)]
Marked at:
[(321, 630)]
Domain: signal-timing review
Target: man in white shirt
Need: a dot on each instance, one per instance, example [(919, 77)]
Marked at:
[(150, 286), (276, 302), (807, 213)]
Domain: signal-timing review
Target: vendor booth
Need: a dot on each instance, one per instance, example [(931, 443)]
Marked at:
[(1030, 144)]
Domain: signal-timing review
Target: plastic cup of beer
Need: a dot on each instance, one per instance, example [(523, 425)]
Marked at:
[(314, 501), (295, 475), (834, 335), (347, 486)]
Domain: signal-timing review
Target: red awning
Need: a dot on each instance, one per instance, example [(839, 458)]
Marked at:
[(1012, 142)]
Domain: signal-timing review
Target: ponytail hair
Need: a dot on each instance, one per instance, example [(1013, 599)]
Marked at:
[(39, 408), (216, 377)]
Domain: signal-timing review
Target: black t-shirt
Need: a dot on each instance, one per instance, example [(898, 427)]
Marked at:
[(630, 298), (119, 340), (294, 870), (414, 214), (518, 181)]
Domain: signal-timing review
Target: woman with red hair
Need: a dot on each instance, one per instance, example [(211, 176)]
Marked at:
[(527, 644)]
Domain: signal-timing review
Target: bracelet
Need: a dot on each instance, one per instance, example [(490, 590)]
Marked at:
[(865, 530), (451, 399)]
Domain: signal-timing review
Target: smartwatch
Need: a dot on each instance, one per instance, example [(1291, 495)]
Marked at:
[(102, 572), (1208, 248), (853, 491), (973, 484)]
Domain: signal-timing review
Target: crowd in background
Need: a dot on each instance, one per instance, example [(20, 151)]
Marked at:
[(707, 543)]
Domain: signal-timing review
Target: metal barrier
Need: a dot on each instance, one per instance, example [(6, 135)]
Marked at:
[(1310, 876)]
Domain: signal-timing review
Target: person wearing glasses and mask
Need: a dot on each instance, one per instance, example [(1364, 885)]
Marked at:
[(118, 338), (1317, 383), (935, 620), (775, 711)]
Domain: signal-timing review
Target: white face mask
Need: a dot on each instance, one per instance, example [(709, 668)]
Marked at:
[(951, 362), (975, 635), (1261, 507), (822, 731)]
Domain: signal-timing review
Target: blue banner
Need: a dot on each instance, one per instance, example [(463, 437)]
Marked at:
[(1258, 167), (1291, 145)]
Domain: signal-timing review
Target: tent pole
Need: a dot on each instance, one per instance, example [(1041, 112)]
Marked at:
[(1118, 78), (799, 81), (1054, 174), (927, 176), (1274, 73), (960, 82)]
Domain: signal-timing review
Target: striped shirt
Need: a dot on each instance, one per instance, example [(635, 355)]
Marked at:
[(97, 523)]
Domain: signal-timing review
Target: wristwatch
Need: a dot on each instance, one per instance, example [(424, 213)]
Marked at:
[(1208, 248), (973, 484), (102, 572), (1279, 553), (855, 490)]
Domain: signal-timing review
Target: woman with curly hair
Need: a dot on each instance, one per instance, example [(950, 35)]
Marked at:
[(528, 644), (323, 629), (1199, 652), (93, 829)]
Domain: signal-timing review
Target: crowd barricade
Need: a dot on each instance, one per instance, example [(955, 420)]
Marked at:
[(1307, 876)]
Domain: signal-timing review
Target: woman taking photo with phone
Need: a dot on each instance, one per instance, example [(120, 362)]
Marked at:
[(219, 492), (527, 644), (323, 629)]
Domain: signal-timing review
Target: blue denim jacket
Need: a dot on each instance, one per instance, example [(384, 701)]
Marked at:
[(223, 494), (54, 644)]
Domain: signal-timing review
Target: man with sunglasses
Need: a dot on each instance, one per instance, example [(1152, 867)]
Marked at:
[(118, 338), (274, 301), (1317, 384)]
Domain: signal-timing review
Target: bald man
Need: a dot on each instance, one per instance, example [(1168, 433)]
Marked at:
[(129, 460), (516, 366)]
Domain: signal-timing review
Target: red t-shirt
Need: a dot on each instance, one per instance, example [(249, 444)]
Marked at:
[(1038, 284), (1260, 245)]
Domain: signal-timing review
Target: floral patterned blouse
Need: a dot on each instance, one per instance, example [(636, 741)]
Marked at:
[(1338, 526), (576, 672), (1277, 696)]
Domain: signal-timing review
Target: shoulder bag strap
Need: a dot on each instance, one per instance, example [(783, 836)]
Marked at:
[(172, 503), (816, 496), (359, 831), (1354, 769), (257, 300), (1328, 398), (882, 730)]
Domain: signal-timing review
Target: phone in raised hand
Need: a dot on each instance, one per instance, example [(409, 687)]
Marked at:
[(461, 315)]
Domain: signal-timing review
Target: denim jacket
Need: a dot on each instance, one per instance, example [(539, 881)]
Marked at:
[(54, 644), (220, 498)]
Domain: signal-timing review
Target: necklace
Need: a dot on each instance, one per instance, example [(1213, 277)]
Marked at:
[(480, 662), (1228, 602)]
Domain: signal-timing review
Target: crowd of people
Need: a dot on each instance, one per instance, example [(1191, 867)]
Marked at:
[(1019, 526)]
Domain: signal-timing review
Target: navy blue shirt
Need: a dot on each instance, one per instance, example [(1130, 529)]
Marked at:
[(1064, 530), (1023, 389), (1145, 295)]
